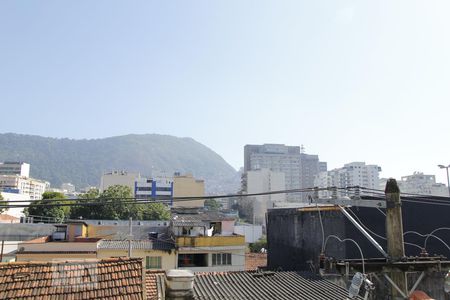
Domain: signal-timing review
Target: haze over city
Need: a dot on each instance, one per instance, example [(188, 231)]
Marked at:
[(351, 81)]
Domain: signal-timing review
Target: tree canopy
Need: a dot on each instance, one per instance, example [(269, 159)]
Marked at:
[(38, 210), (116, 203), (212, 204)]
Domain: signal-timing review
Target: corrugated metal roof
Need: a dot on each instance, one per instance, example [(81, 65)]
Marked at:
[(136, 244), (124, 244), (269, 285)]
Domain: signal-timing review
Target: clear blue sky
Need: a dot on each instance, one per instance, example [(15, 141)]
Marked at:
[(351, 80)]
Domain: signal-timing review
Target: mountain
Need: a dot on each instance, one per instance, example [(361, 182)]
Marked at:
[(82, 162)]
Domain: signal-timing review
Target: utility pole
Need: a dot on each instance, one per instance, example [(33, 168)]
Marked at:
[(1, 251), (130, 238), (394, 235)]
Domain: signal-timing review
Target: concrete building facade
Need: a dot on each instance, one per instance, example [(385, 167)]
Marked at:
[(299, 168), (419, 183), (15, 168), (352, 174), (119, 178), (188, 186), (261, 181)]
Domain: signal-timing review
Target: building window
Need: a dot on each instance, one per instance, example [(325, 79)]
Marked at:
[(221, 259), (192, 260), (153, 262)]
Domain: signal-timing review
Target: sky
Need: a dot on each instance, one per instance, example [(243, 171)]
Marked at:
[(350, 80)]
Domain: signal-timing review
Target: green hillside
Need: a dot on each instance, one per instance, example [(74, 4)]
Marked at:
[(82, 162)]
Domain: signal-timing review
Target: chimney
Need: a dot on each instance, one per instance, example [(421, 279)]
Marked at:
[(179, 285)]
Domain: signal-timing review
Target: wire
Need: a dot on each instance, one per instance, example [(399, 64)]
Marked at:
[(377, 235), (351, 240), (321, 226), (431, 234), (428, 235)]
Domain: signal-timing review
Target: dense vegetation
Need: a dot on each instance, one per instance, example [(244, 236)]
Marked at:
[(114, 203), (82, 162)]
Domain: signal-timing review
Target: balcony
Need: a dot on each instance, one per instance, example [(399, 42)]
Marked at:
[(210, 241)]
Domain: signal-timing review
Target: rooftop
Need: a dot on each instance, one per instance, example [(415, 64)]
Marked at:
[(254, 286), (255, 261), (136, 244), (116, 278)]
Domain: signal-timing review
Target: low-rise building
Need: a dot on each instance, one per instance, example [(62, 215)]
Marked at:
[(72, 242), (114, 278), (206, 241)]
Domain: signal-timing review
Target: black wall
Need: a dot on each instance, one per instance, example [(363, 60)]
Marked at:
[(294, 236)]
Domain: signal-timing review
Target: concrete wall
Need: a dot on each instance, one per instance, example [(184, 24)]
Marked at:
[(188, 186), (168, 259), (251, 232), (295, 237)]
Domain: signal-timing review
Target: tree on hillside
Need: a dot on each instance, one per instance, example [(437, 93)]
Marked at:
[(49, 213), (154, 211)]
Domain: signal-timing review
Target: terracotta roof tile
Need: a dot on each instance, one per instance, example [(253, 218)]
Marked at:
[(72, 279)]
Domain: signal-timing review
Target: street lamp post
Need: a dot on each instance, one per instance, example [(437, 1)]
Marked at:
[(448, 180)]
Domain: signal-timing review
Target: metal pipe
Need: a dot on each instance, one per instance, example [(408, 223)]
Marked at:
[(364, 232)]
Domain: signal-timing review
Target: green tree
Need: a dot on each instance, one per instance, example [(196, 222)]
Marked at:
[(212, 204), (86, 211), (258, 245), (118, 204), (39, 208), (2, 203), (154, 211)]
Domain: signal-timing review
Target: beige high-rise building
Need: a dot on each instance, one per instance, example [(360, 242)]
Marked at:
[(188, 186), (119, 178)]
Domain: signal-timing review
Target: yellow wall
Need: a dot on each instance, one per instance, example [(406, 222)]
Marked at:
[(188, 186), (168, 260), (211, 241)]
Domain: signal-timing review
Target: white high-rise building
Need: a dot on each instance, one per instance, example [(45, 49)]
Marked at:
[(352, 174), (419, 183), (15, 168), (14, 178), (260, 181)]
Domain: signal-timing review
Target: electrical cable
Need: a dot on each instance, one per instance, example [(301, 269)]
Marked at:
[(427, 235), (346, 240), (431, 234)]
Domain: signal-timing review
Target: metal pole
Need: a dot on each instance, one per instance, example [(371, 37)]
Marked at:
[(364, 232), (448, 181), (1, 252)]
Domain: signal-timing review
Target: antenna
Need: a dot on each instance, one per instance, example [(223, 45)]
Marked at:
[(302, 149)]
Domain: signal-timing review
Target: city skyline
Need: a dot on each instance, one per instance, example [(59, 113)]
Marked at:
[(351, 81)]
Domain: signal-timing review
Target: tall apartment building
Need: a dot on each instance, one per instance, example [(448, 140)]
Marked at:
[(260, 181), (419, 183), (352, 174), (15, 168), (299, 168), (14, 178)]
